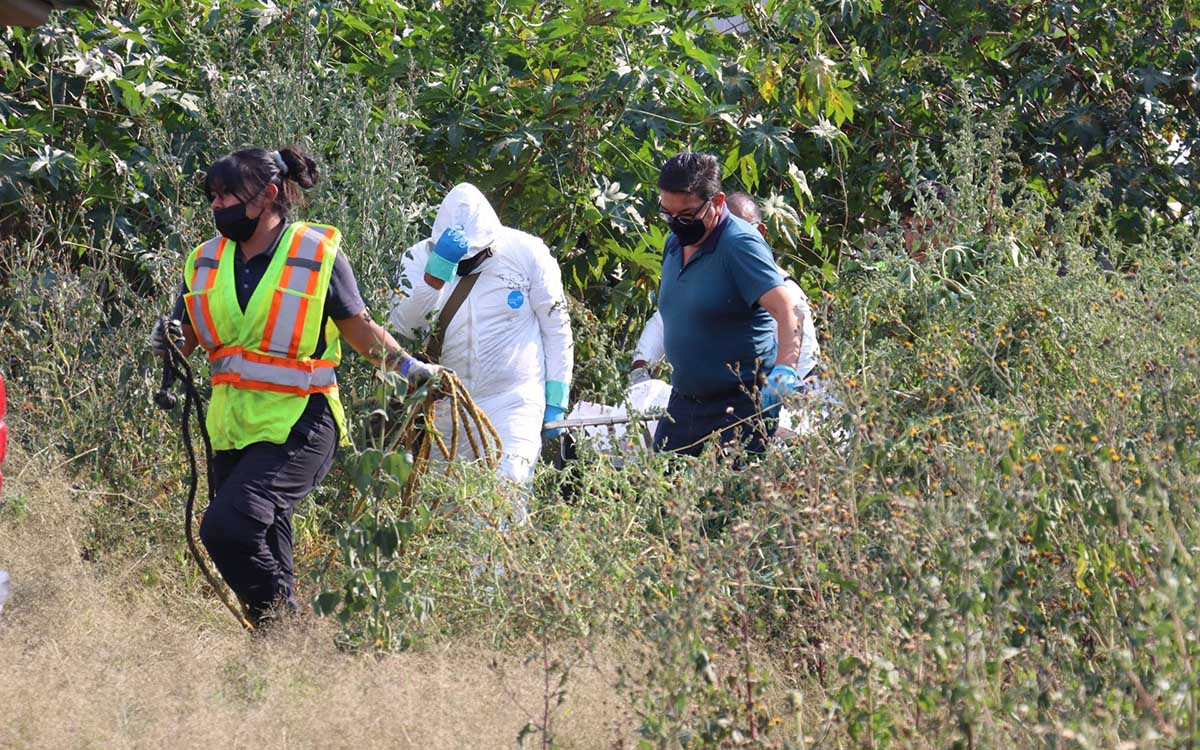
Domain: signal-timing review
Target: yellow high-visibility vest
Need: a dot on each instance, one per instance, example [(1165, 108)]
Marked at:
[(260, 360)]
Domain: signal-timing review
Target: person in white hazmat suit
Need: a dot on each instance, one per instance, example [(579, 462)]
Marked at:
[(510, 341)]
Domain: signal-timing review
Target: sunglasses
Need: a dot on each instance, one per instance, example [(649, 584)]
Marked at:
[(689, 216)]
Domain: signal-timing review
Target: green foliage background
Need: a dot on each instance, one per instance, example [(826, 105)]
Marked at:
[(563, 111)]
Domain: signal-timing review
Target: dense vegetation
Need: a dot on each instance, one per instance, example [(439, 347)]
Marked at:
[(993, 540)]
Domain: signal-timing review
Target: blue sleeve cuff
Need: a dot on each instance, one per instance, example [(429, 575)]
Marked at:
[(556, 393), (440, 268)]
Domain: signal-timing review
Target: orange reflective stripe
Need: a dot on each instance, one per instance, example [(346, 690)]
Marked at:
[(302, 314), (197, 318), (298, 328), (208, 320), (277, 298), (310, 279), (236, 381), (297, 319), (202, 321), (209, 253), (210, 275), (294, 250), (205, 267), (287, 318), (295, 364), (272, 318), (319, 257)]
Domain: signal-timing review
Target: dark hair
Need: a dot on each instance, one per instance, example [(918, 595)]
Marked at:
[(243, 174), (688, 172), (744, 205)]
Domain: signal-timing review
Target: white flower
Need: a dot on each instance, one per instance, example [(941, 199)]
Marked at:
[(611, 194)]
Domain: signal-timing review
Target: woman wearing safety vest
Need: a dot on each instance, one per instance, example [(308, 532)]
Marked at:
[(269, 300)]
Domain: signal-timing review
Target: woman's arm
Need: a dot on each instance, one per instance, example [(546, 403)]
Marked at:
[(369, 339), (190, 342), (179, 312)]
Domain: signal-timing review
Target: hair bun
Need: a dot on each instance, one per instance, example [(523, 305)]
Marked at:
[(299, 167)]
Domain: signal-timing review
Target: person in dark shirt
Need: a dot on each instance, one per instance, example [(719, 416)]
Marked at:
[(270, 301), (719, 293)]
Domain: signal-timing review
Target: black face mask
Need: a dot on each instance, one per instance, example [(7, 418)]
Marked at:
[(467, 266), (688, 231), (233, 223)]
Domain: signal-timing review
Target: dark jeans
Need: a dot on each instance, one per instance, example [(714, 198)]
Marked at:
[(247, 528), (729, 417)]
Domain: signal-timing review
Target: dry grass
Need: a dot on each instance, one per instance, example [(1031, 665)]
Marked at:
[(93, 659)]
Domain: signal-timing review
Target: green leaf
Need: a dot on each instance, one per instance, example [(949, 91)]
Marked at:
[(709, 61), (748, 170), (731, 160), (398, 466)]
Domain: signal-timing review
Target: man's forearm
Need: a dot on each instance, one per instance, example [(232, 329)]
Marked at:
[(801, 312), (785, 309), (789, 345)]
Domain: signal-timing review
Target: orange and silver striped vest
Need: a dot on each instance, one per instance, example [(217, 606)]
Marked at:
[(260, 359)]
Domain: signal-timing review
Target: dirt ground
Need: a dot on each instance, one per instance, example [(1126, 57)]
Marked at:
[(91, 659)]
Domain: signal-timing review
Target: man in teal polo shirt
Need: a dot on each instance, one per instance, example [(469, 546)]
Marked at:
[(719, 291)]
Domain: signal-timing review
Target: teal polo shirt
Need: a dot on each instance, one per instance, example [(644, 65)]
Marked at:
[(717, 337)]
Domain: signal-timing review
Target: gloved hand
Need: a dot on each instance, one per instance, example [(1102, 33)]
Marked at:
[(553, 414), (639, 375), (557, 393), (419, 373), (451, 247), (160, 334), (782, 382)]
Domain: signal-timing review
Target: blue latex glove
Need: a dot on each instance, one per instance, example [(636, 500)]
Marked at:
[(451, 247), (553, 414), (782, 382)]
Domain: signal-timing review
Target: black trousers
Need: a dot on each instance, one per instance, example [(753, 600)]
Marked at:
[(728, 417), (247, 528)]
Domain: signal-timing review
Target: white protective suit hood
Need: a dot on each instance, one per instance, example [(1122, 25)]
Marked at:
[(465, 206), (510, 337)]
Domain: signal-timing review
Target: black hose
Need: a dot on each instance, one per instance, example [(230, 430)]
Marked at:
[(176, 367), (165, 399)]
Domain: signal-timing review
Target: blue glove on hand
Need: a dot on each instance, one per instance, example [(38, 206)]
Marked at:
[(449, 250), (782, 382), (553, 414)]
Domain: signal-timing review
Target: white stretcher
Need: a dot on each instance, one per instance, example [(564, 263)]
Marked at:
[(624, 430)]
